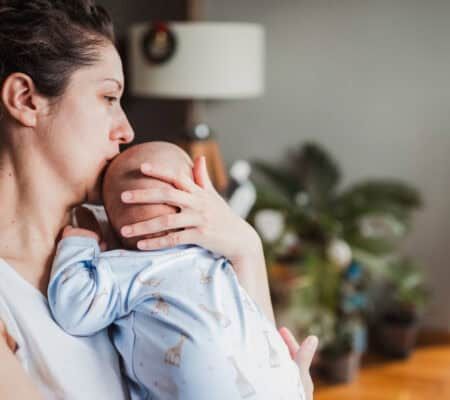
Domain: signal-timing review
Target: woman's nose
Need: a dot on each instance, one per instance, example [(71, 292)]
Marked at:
[(124, 133)]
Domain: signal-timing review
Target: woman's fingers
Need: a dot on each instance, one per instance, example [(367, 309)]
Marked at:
[(172, 239), (303, 356), (303, 353), (180, 181), (201, 175), (306, 352), (170, 196), (303, 359), (163, 223), (290, 341)]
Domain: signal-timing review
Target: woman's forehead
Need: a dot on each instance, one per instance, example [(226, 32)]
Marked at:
[(107, 69)]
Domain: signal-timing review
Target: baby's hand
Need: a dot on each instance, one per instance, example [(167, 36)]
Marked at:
[(69, 231)]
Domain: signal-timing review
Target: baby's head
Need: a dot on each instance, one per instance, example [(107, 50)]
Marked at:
[(124, 174)]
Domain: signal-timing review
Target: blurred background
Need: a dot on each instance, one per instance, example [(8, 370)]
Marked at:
[(337, 149)]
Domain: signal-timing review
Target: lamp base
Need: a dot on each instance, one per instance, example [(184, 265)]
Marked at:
[(199, 142)]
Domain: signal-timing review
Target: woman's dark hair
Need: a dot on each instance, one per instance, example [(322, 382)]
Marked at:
[(50, 39)]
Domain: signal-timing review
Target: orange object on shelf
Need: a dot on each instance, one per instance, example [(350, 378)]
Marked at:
[(214, 161)]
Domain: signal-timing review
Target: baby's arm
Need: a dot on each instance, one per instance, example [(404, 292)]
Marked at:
[(83, 295)]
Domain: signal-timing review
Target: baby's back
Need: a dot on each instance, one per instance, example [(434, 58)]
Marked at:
[(194, 333)]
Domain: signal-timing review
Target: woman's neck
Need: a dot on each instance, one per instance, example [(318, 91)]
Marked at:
[(34, 209)]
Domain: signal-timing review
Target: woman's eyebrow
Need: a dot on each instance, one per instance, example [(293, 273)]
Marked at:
[(119, 84)]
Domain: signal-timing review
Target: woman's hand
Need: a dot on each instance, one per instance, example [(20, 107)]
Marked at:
[(303, 356), (204, 219)]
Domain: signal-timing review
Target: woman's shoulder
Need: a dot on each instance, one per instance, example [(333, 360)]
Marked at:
[(44, 348)]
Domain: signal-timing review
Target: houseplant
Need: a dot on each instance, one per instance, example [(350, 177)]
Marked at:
[(401, 309), (323, 245)]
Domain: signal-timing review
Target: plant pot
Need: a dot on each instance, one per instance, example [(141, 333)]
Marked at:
[(397, 334), (283, 279), (341, 369)]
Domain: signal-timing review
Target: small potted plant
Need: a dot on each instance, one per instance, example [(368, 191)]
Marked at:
[(398, 323), (341, 356), (328, 300), (340, 359)]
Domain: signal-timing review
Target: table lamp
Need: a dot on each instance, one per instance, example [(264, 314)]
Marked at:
[(198, 61)]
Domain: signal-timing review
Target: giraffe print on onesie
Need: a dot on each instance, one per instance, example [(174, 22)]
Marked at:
[(184, 327)]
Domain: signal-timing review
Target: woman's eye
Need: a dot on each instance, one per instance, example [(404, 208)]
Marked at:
[(111, 99)]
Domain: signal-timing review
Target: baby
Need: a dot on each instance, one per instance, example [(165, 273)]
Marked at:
[(184, 327)]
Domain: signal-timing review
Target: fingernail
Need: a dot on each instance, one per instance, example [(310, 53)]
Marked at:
[(141, 245), (126, 231), (311, 341), (126, 196), (146, 167)]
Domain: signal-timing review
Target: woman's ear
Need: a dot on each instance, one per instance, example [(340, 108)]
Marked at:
[(21, 99)]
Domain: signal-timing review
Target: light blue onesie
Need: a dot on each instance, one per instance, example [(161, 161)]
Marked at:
[(184, 327)]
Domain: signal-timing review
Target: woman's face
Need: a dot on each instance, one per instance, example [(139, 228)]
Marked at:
[(87, 125)]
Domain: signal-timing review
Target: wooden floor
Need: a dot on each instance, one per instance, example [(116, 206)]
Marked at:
[(425, 376)]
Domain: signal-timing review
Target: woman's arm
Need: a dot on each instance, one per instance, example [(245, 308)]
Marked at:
[(14, 382), (252, 274), (206, 220)]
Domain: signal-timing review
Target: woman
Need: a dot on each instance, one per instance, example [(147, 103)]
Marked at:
[(61, 122)]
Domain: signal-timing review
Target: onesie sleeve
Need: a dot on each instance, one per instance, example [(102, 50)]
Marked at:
[(83, 295)]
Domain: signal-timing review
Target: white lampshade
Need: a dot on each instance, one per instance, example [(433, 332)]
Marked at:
[(213, 60)]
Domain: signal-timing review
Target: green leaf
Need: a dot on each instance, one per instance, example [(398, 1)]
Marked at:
[(387, 196), (318, 173), (267, 197), (280, 177)]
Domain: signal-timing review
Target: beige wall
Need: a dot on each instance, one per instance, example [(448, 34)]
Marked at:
[(370, 79)]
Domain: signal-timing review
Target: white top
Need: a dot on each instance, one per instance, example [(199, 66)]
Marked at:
[(62, 366)]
